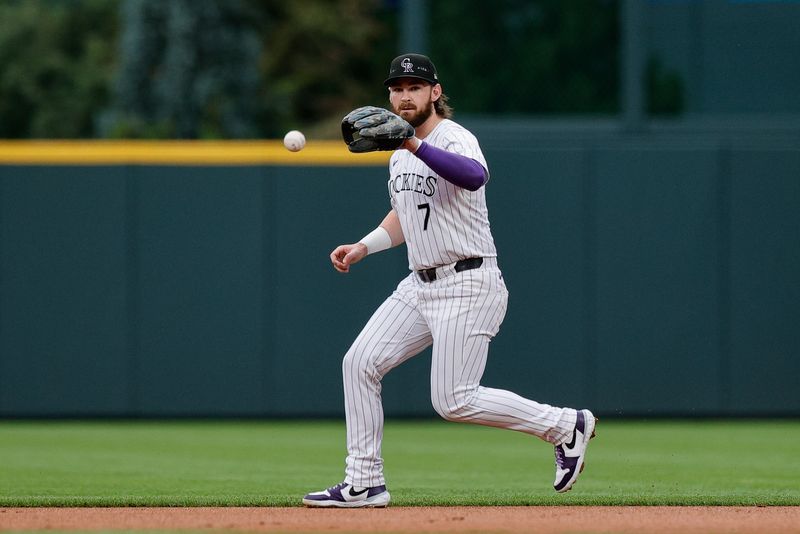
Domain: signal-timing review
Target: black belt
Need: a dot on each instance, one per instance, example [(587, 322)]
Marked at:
[(429, 275)]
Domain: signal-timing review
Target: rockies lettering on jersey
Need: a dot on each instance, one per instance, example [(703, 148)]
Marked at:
[(413, 182), (442, 223)]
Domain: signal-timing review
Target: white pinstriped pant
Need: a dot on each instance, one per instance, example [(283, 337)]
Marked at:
[(459, 313)]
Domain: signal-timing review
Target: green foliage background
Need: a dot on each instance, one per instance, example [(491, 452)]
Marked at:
[(57, 63), (255, 68)]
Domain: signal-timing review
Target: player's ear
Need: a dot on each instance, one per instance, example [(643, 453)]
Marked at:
[(436, 92)]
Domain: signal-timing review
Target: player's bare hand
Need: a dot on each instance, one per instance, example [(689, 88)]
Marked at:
[(344, 256)]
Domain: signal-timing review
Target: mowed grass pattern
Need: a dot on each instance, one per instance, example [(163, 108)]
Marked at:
[(255, 463)]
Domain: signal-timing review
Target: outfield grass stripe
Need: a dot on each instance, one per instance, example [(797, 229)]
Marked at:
[(427, 464)]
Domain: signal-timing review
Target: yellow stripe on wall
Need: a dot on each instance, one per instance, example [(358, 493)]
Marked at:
[(316, 153)]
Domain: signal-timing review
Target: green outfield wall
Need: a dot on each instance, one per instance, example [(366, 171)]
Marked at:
[(652, 274)]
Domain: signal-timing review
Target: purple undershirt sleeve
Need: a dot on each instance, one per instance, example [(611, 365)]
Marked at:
[(457, 169)]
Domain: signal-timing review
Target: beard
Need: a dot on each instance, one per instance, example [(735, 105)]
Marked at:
[(418, 117)]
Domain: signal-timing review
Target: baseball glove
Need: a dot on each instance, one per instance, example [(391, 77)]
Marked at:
[(369, 128)]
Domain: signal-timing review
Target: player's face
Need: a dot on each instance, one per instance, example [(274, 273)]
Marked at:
[(413, 99)]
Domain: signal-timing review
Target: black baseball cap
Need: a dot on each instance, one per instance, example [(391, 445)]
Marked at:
[(412, 66)]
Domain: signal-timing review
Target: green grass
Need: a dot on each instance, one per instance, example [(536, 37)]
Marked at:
[(427, 463)]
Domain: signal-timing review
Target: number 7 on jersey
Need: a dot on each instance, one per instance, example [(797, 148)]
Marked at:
[(427, 208)]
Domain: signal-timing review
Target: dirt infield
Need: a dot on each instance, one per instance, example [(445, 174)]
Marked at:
[(544, 520)]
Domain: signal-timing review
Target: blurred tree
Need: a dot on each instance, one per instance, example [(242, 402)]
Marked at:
[(321, 59), (256, 68), (56, 66), (187, 69), (523, 56), (243, 68)]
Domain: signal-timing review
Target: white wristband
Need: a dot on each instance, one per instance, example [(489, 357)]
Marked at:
[(377, 240)]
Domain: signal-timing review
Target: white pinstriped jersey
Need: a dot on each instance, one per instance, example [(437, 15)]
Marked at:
[(442, 223)]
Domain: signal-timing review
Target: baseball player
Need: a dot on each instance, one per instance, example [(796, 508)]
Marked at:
[(454, 298)]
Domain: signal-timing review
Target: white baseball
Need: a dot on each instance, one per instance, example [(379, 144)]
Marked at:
[(294, 141)]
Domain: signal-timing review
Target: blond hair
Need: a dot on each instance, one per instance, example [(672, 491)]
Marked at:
[(442, 107)]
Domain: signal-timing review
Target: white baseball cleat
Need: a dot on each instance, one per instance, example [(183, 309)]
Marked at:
[(570, 456), (344, 495)]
